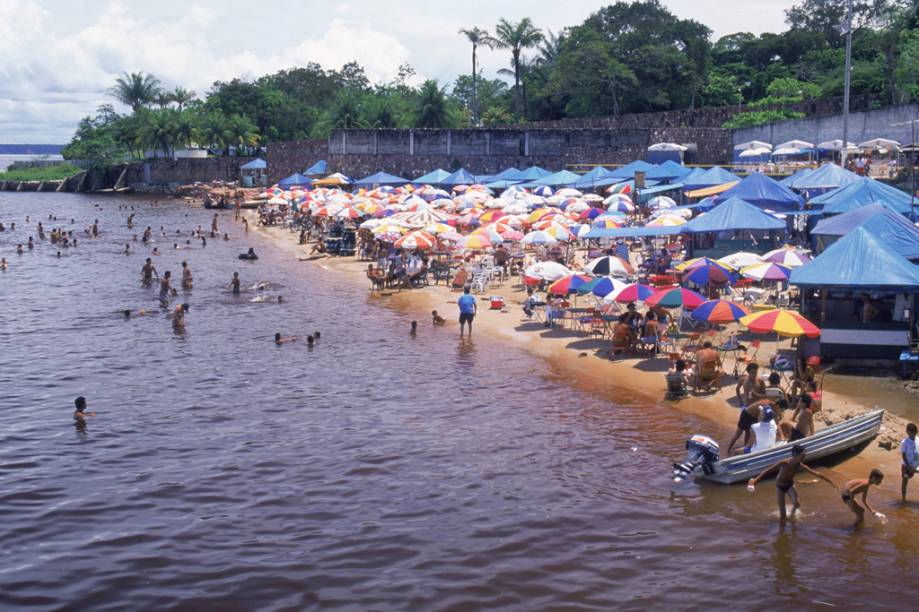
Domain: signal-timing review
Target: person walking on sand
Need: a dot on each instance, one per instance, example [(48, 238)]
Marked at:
[(467, 307), (910, 457), (785, 481)]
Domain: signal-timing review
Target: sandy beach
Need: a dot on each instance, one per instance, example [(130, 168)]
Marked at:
[(586, 363)]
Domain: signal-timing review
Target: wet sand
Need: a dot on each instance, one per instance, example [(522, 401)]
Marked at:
[(585, 361)]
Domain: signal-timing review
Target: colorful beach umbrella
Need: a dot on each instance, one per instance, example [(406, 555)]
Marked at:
[(766, 271), (709, 275), (421, 241), (666, 220), (475, 242), (740, 259), (630, 293), (782, 322), (719, 311), (568, 284), (608, 265), (602, 286), (538, 237), (675, 297), (789, 257)]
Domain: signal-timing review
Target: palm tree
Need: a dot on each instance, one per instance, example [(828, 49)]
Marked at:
[(135, 89), (182, 96), (516, 37), (347, 113), (432, 106), (241, 132), (478, 37), (159, 130), (163, 99)]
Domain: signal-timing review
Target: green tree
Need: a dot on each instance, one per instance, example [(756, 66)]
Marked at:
[(182, 96), (907, 70), (722, 89), (135, 89), (432, 111), (517, 37), (159, 131), (479, 38)]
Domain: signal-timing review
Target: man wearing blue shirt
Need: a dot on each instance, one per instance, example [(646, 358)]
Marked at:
[(467, 308)]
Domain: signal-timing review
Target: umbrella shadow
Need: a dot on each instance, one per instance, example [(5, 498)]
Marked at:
[(530, 326), (653, 364)]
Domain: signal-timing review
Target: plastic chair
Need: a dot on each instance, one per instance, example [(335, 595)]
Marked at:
[(747, 357)]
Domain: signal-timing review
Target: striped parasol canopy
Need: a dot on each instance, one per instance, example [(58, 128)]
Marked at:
[(788, 256), (766, 271), (782, 322), (602, 286), (675, 297), (630, 293), (421, 241), (719, 311), (475, 242), (609, 264), (568, 284)]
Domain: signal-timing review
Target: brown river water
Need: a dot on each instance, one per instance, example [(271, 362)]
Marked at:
[(374, 471)]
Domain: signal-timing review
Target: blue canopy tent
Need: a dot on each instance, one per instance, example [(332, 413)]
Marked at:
[(862, 192), (827, 177), (788, 181), (295, 180), (508, 174), (859, 260), (434, 177), (320, 168), (760, 190), (628, 171), (667, 171), (734, 214), (631, 232), (460, 177), (530, 174), (589, 180), (716, 175), (649, 192), (559, 179), (255, 164), (381, 178), (501, 184), (891, 227)]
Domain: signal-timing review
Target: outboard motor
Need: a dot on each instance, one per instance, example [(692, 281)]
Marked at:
[(700, 450)]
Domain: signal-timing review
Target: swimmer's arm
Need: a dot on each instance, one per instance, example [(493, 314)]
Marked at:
[(819, 475), (865, 500), (753, 481)]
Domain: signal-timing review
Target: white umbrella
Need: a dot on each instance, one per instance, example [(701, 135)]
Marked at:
[(836, 145), (667, 146), (568, 192), (754, 152), (661, 202), (753, 144), (741, 259), (538, 237), (786, 151), (547, 271), (795, 144), (879, 143)]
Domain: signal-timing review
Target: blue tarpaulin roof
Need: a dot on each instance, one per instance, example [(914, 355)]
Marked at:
[(255, 164), (862, 192), (589, 180), (891, 227), (510, 174), (649, 192), (560, 178), (434, 177), (530, 174), (628, 170), (827, 176), (295, 180), (859, 260), (689, 181), (716, 175), (631, 232), (668, 171), (381, 178), (788, 181), (319, 168), (460, 177), (733, 214), (760, 190)]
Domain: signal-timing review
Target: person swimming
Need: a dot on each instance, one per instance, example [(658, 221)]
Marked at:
[(279, 340), (249, 256), (80, 414)]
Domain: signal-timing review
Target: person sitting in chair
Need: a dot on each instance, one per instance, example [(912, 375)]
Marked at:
[(677, 380), (708, 368)]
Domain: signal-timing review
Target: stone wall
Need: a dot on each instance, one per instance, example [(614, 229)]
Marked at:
[(168, 173), (882, 123), (411, 153)]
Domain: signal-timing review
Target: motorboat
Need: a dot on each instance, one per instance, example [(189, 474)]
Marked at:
[(703, 461)]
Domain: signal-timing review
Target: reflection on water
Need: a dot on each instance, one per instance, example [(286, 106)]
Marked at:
[(377, 470)]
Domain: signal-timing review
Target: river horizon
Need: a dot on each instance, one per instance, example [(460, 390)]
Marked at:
[(375, 470)]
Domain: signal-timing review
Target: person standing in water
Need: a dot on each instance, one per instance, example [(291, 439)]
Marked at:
[(148, 272), (80, 414), (467, 307), (165, 286), (186, 276), (861, 486), (234, 283), (785, 481), (214, 225)]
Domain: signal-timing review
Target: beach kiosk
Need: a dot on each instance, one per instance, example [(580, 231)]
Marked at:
[(862, 294), (254, 173)]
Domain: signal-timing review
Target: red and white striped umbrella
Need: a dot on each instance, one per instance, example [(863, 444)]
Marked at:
[(418, 240)]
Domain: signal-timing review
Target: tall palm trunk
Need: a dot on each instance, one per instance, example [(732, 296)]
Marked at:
[(475, 95), (516, 56)]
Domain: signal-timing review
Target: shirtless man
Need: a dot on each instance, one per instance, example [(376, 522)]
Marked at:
[(279, 340), (861, 486), (186, 276), (165, 286), (802, 421), (80, 413), (178, 318), (708, 368), (749, 385), (234, 283), (148, 272), (749, 416), (785, 481)]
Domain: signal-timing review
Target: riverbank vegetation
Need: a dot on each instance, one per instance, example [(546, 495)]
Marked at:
[(40, 173), (624, 58)]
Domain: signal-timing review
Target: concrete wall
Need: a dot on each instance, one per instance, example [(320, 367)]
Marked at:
[(167, 172), (862, 126)]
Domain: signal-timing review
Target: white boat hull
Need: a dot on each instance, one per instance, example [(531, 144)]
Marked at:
[(824, 443)]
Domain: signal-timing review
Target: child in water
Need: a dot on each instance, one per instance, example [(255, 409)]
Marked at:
[(436, 319), (785, 481), (80, 413), (861, 486)]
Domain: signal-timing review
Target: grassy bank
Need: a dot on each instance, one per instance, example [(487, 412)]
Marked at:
[(48, 173)]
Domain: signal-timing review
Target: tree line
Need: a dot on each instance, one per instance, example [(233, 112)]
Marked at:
[(624, 58)]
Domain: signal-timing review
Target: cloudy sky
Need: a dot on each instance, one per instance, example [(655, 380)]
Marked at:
[(58, 57)]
